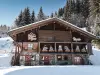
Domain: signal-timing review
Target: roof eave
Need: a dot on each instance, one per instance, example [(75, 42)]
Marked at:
[(55, 19)]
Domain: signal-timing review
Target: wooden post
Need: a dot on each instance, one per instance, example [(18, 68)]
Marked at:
[(72, 52), (18, 49), (39, 53), (39, 48), (55, 47), (55, 58), (89, 48), (15, 51), (55, 54), (22, 46)]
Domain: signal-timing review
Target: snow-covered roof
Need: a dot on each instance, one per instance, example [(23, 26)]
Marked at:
[(44, 22)]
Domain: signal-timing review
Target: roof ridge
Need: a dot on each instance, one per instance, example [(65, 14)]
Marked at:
[(55, 19)]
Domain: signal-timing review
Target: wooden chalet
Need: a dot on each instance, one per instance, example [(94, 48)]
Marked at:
[(51, 42)]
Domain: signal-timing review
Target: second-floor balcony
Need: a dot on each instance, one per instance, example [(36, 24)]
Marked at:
[(55, 47), (65, 47)]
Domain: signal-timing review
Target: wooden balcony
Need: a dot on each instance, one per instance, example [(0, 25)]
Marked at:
[(56, 47), (65, 48)]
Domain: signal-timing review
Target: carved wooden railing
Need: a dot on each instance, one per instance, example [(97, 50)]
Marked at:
[(72, 47)]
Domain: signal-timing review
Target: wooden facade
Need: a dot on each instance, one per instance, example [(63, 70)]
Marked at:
[(51, 42)]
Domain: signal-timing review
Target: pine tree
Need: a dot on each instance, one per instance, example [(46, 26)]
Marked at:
[(33, 17), (94, 7), (18, 21), (67, 11), (55, 15), (72, 6), (41, 15), (85, 8), (94, 17), (52, 15), (26, 17), (60, 12), (78, 10)]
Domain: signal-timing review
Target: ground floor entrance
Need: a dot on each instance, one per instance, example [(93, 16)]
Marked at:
[(52, 59)]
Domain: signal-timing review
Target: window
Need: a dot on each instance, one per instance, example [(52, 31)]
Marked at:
[(77, 59), (30, 46), (42, 57), (65, 57), (25, 46), (59, 57)]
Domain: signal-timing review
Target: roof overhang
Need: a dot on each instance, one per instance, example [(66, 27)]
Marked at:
[(44, 22)]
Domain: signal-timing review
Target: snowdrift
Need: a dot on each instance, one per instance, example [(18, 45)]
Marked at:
[(6, 46), (95, 58)]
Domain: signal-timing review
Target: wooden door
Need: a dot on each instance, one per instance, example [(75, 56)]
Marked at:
[(27, 60), (46, 60)]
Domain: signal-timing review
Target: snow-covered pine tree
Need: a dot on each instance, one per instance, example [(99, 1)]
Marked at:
[(52, 15), (41, 15), (60, 12), (33, 17), (85, 8), (94, 17), (78, 6), (18, 21), (67, 11), (55, 15), (26, 17)]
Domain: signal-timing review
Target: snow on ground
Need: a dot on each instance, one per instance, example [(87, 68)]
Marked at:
[(6, 46), (52, 70), (5, 60), (3, 55), (95, 58)]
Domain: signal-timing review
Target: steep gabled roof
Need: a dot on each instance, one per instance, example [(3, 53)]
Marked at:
[(44, 22)]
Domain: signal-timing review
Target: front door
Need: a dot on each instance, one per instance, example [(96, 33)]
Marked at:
[(46, 60), (27, 60)]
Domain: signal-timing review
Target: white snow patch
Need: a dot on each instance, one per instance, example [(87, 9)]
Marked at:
[(5, 60), (3, 55), (52, 70), (6, 38), (95, 58), (6, 46), (84, 29)]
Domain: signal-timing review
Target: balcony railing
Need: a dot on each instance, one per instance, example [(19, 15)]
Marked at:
[(65, 47), (55, 47)]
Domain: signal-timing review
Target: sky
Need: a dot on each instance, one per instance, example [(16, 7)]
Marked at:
[(10, 9)]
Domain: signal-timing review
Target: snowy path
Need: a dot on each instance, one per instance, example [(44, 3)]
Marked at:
[(52, 70)]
